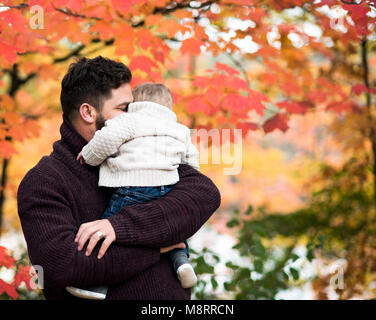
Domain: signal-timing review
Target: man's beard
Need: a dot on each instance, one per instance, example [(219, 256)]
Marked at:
[(99, 121)]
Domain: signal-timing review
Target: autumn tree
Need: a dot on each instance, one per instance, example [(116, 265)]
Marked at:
[(269, 60)]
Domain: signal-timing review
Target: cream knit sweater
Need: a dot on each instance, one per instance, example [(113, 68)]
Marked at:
[(142, 147)]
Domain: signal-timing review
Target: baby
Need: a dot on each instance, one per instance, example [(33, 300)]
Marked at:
[(139, 152)]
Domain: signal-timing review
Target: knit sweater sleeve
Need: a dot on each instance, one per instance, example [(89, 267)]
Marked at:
[(171, 219), (49, 229), (107, 140), (191, 156)]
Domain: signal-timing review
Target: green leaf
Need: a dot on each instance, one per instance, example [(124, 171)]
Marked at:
[(285, 276), (232, 223), (229, 286), (230, 265), (237, 246), (258, 229), (310, 255), (236, 212), (249, 210), (259, 266), (214, 283), (258, 249), (244, 273), (203, 267), (294, 257), (321, 239), (294, 273)]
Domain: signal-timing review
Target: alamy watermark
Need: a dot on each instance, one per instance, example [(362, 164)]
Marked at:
[(223, 150), (37, 17), (337, 281), (36, 277)]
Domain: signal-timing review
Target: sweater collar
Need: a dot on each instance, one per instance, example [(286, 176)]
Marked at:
[(70, 137), (152, 109)]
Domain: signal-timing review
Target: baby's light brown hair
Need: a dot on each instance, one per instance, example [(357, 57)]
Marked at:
[(155, 92)]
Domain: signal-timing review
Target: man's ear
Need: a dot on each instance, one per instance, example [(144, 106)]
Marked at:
[(88, 113)]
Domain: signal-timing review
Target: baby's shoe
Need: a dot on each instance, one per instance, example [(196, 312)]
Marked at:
[(92, 293), (186, 275)]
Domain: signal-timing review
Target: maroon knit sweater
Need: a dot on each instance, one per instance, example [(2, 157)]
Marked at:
[(59, 194)]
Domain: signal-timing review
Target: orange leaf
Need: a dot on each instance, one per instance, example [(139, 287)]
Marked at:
[(6, 149), (122, 6), (24, 98), (171, 27), (181, 14), (153, 19), (6, 102), (191, 46), (11, 117), (31, 128), (143, 63)]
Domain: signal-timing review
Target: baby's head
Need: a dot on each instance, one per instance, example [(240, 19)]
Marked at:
[(155, 92)]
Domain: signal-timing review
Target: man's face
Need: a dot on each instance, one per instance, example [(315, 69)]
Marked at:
[(115, 105)]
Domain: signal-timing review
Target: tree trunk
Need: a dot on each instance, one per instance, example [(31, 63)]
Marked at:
[(3, 182), (372, 132)]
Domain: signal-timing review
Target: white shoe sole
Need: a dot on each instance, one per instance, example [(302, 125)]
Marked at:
[(85, 294), (186, 275)]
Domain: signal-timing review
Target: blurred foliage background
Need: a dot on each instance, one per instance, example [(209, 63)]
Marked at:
[(297, 77)]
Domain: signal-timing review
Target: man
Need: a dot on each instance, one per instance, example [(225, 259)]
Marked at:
[(60, 203)]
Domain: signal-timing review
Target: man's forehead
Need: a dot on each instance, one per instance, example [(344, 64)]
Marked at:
[(123, 92)]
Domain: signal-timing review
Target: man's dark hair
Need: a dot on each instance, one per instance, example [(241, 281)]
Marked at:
[(90, 81)]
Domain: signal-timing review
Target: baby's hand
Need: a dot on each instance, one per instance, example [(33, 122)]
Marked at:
[(80, 158)]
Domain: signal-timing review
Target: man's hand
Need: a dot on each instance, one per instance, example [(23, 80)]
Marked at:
[(81, 158), (180, 245), (89, 231)]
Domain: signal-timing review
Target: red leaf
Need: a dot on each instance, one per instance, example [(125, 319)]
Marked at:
[(316, 96), (8, 289), (340, 107), (278, 121), (357, 11), (201, 82), (9, 52), (226, 68), (236, 103), (359, 88), (196, 105), (5, 259), (256, 99), (23, 275), (290, 88), (291, 107), (16, 21), (237, 83), (247, 126)]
